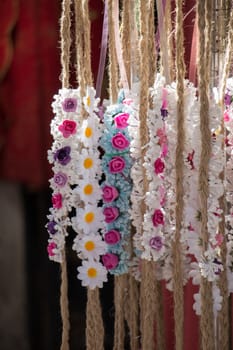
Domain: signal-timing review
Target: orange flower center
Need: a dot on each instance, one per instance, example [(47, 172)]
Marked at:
[(92, 272), (89, 217), (88, 131), (89, 245), (88, 190), (88, 163)]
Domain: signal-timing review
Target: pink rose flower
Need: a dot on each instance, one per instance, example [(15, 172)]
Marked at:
[(57, 200), (159, 166), (112, 237), (116, 165), (110, 193), (111, 214), (110, 261), (158, 217), (67, 128), (119, 141), (50, 248), (226, 117), (121, 120)]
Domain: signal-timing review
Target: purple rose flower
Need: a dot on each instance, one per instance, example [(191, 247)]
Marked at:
[(110, 261), (119, 141), (63, 155), (60, 179), (116, 165), (51, 227), (156, 243), (110, 193), (158, 217), (69, 104), (227, 100), (111, 214), (112, 237)]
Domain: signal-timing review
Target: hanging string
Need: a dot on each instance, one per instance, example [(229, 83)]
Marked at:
[(131, 307), (94, 321), (179, 165), (64, 304), (164, 68), (65, 59), (151, 44), (126, 38), (147, 290), (79, 45), (207, 317), (87, 44), (169, 37), (65, 42), (113, 70)]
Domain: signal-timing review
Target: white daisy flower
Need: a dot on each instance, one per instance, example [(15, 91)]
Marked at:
[(89, 219), (90, 131), (88, 163), (90, 102), (89, 190), (90, 247), (92, 274)]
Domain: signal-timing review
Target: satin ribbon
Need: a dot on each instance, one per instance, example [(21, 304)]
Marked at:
[(103, 51)]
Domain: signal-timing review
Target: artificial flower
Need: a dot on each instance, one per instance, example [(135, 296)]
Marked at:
[(90, 246), (69, 104), (60, 179), (62, 155), (67, 128), (90, 102), (121, 120), (112, 237), (119, 141), (88, 190), (92, 274), (116, 165), (90, 131), (89, 219), (88, 163), (110, 193), (111, 214), (110, 261), (57, 200)]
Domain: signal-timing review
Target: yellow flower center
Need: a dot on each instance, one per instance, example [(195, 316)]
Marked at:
[(88, 132), (88, 163), (89, 245), (88, 190), (89, 217), (88, 101), (92, 272)]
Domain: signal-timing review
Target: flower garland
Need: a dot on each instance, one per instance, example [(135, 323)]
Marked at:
[(228, 123), (208, 263), (88, 221), (63, 156), (116, 187), (153, 239)]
